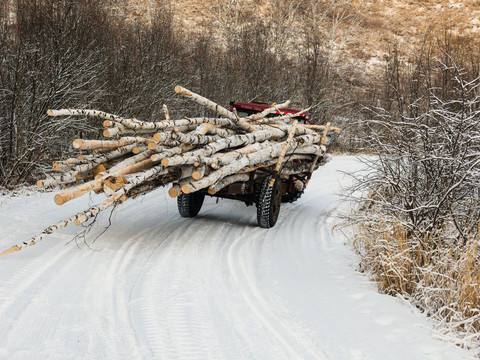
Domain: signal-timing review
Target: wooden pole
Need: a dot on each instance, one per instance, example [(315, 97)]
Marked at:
[(165, 110), (284, 151)]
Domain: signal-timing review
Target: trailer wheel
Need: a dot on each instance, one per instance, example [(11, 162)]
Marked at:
[(190, 204), (293, 196), (268, 204)]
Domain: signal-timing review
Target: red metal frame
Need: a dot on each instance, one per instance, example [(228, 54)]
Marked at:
[(260, 106)]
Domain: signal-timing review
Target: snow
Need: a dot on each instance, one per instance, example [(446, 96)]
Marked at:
[(158, 286)]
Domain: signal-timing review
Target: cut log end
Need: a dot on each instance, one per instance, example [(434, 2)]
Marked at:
[(107, 123), (157, 137), (197, 175), (50, 112), (136, 150), (77, 143), (164, 162), (151, 146), (173, 192), (211, 191), (178, 89), (186, 189), (98, 169), (106, 133), (12, 249), (40, 183), (59, 199)]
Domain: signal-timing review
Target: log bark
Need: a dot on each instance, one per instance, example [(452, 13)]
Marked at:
[(115, 130), (202, 129), (321, 127), (209, 104), (270, 110), (283, 152), (195, 139), (134, 125), (68, 195), (253, 159), (325, 132), (134, 181), (219, 185), (220, 110), (81, 144), (250, 159), (165, 110), (224, 143), (69, 176)]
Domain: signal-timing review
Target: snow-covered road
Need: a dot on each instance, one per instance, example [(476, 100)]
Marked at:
[(158, 286)]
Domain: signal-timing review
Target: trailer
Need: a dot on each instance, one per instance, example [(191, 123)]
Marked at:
[(265, 187), (256, 153)]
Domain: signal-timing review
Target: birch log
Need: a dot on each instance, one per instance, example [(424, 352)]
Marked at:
[(219, 185), (283, 152), (70, 176), (270, 110), (209, 104), (85, 215), (81, 144)]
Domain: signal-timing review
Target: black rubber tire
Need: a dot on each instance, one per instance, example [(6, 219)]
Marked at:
[(291, 197), (268, 203), (190, 204)]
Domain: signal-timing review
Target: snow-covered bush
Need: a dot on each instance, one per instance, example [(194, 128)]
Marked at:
[(418, 221)]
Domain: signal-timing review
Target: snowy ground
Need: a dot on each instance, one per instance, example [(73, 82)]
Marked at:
[(158, 286)]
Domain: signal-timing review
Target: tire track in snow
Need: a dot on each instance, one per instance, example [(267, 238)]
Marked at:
[(106, 297), (178, 329), (42, 311), (213, 287), (23, 280), (280, 327)]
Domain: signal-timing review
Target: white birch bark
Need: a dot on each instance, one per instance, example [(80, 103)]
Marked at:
[(224, 143), (232, 168), (271, 109), (70, 176), (136, 125), (222, 183), (87, 214), (195, 139), (209, 104), (81, 144)]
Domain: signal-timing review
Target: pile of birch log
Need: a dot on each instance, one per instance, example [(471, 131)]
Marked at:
[(190, 154)]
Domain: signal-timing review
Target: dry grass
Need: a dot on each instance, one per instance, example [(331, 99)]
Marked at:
[(439, 276), (405, 22)]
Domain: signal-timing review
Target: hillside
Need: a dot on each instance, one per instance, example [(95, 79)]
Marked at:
[(364, 29)]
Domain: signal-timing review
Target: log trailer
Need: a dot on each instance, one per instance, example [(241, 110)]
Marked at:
[(266, 187), (255, 153)]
